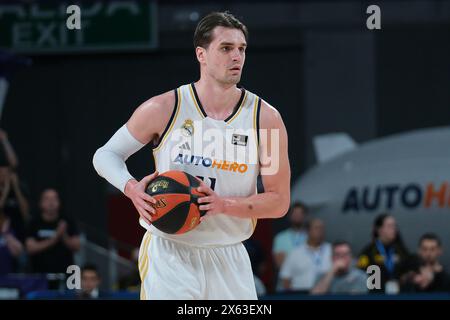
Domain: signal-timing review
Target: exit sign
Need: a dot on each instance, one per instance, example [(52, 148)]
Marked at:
[(105, 26)]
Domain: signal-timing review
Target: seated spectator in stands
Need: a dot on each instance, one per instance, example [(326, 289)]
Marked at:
[(343, 278), (305, 264), (387, 251), (90, 283), (10, 246), (13, 201), (52, 238), (427, 274), (287, 240)]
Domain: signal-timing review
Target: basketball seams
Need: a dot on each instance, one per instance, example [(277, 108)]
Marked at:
[(193, 182), (177, 209), (192, 214), (168, 223), (171, 203), (179, 176), (172, 179)]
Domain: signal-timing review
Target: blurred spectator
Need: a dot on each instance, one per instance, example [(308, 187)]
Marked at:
[(256, 255), (90, 283), (10, 246), (132, 280), (13, 201), (427, 274), (260, 287), (343, 278), (305, 264), (52, 239), (387, 251), (287, 240)]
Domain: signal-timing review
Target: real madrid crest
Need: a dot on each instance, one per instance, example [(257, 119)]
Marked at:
[(187, 129)]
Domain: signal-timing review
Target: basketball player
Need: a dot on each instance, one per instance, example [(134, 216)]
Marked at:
[(210, 261)]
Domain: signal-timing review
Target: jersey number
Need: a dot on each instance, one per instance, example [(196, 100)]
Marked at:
[(212, 181)]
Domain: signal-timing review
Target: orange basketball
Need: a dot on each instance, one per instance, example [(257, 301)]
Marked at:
[(176, 208)]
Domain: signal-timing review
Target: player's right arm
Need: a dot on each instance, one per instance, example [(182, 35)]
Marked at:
[(145, 125)]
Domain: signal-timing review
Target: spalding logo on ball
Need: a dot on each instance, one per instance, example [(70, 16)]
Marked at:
[(176, 205)]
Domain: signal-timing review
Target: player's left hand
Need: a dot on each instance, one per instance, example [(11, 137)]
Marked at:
[(211, 203)]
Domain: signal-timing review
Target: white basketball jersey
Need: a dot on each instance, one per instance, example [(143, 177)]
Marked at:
[(223, 153)]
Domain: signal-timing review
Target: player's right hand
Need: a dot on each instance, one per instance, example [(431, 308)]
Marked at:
[(141, 200)]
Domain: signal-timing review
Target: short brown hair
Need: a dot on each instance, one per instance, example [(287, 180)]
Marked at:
[(204, 30), (338, 243), (432, 237)]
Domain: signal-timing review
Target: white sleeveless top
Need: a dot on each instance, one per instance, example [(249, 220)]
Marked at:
[(223, 153)]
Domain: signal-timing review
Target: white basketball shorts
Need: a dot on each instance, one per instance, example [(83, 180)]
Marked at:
[(174, 271)]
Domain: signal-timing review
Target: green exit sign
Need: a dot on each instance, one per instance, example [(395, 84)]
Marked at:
[(105, 26)]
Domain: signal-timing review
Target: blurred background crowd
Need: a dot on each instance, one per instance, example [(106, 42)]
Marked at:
[(38, 247)]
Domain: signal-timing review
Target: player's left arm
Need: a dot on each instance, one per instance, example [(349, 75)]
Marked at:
[(274, 201)]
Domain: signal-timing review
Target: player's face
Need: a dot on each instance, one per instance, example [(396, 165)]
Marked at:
[(225, 56)]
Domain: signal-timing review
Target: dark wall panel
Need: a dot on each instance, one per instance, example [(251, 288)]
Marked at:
[(413, 77)]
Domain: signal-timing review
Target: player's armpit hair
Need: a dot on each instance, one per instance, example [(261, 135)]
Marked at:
[(109, 160)]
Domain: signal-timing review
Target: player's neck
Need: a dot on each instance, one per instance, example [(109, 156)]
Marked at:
[(218, 100)]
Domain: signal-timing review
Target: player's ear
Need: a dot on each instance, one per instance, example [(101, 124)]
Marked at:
[(201, 54)]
